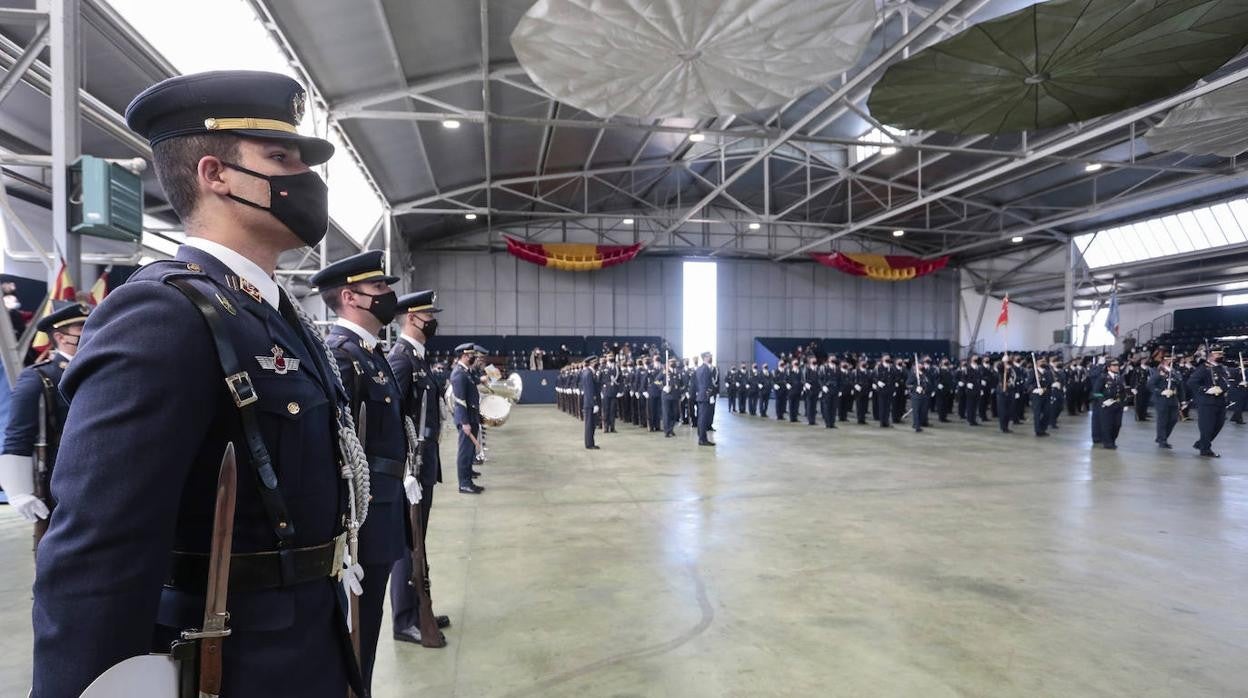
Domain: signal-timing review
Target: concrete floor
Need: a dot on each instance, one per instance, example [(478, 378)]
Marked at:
[(794, 561)]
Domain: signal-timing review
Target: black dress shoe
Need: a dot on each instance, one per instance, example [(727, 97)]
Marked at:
[(471, 489), (1043, 433), (476, 473), (668, 435), (593, 448), (442, 621), (710, 428), (413, 636), (1209, 454), (706, 443), (1111, 447), (1163, 444)]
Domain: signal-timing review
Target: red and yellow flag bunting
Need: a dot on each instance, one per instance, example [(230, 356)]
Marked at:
[(881, 267), (571, 256), (62, 290)]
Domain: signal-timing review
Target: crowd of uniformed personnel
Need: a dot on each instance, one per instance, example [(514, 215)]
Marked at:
[(1009, 389)]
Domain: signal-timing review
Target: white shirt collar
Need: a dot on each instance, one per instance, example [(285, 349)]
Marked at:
[(240, 265), (416, 344), (368, 337), (63, 355)]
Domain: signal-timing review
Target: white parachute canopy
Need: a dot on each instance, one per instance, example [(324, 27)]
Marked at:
[(693, 58), (1212, 124)]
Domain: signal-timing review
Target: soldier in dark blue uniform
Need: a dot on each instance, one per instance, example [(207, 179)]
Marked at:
[(420, 390), (811, 388), (466, 411), (1167, 390), (743, 386), (673, 390), (733, 380), (782, 383), (1113, 392), (1039, 382), (189, 355), (654, 391), (588, 385), (829, 391), (1208, 386), (920, 388), (610, 394), (358, 290), (36, 402), (885, 383), (766, 383), (795, 388), (704, 393)]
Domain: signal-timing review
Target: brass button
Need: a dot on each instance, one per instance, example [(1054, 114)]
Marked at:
[(293, 408), (387, 399)]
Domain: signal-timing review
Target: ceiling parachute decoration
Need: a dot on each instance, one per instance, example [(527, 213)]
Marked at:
[(1212, 124), (881, 267), (571, 256), (1060, 62), (694, 58)]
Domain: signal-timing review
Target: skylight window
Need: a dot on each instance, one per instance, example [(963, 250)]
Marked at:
[(1207, 228), (887, 137), (178, 34)]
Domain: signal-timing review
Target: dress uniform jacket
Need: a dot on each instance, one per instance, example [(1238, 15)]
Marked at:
[(150, 416), (416, 382), (22, 431)]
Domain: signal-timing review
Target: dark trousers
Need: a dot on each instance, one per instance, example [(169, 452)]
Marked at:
[(844, 404), (608, 407), (741, 399), (763, 399), (1040, 413), (1003, 410), (753, 404), (899, 405), (1239, 396), (918, 410), (781, 401), (1142, 400), (812, 399), (961, 403), (1209, 419), (671, 410), (1111, 424), (374, 583), (1167, 417), (464, 457), (827, 404), (884, 407), (591, 422), (655, 409), (972, 407), (1097, 432), (704, 420), (403, 603), (944, 405), (860, 406), (1056, 398), (795, 399), (732, 401), (985, 401)]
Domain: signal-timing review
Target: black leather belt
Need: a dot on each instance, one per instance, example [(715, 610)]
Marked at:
[(387, 466), (260, 571)]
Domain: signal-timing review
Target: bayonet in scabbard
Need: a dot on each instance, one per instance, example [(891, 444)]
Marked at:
[(213, 631)]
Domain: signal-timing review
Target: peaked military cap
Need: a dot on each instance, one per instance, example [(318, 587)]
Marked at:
[(365, 266), (479, 349), (420, 301), (465, 348), (591, 359), (248, 103), (62, 317)]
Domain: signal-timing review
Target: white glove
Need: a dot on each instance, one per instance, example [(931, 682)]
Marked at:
[(28, 505), (984, 383), (1108, 402), (667, 388), (960, 385), (788, 386), (18, 480), (1167, 393), (919, 390), (1038, 391), (806, 386), (647, 394), (880, 384), (1134, 391), (595, 409), (1243, 384), (940, 386), (857, 388), (351, 575), (1215, 390), (1056, 386), (412, 486), (825, 388)]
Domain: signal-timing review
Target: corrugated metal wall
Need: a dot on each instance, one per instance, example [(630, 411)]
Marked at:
[(498, 294)]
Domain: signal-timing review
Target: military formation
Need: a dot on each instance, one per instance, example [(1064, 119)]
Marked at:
[(1008, 390), (648, 392)]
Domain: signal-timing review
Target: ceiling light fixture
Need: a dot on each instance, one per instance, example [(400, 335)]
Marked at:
[(1093, 167), (1016, 239), (628, 221), (450, 123), (697, 137), (755, 226), (470, 216), (898, 233)]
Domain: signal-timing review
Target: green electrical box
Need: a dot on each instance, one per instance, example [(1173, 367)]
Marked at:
[(108, 201)]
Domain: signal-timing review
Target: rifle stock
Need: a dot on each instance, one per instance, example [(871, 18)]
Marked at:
[(40, 465), (430, 635)]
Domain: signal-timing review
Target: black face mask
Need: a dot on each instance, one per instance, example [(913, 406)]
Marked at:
[(300, 202), (382, 306), (431, 328)]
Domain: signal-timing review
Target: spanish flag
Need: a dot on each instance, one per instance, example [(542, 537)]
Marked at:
[(62, 290), (1004, 317), (569, 256), (881, 267), (100, 288)]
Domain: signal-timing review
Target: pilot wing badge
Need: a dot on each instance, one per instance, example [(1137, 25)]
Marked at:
[(278, 362)]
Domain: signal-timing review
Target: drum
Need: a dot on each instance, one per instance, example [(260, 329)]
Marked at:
[(494, 410)]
